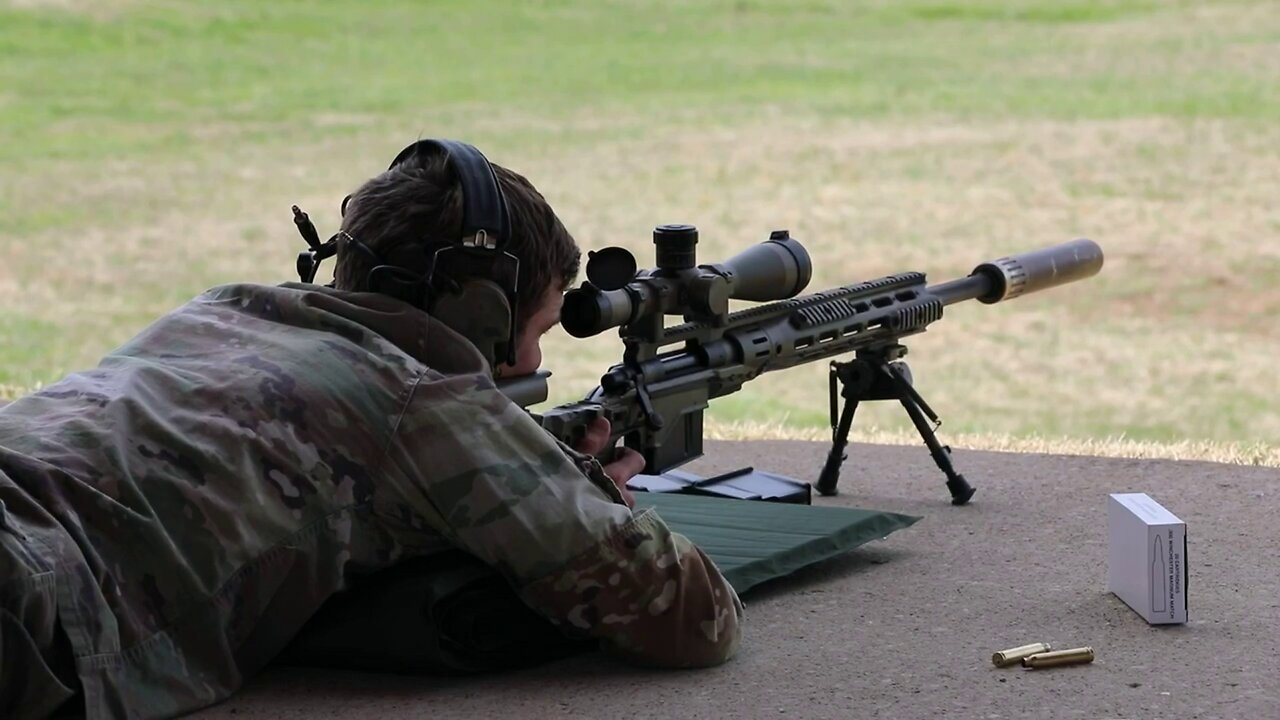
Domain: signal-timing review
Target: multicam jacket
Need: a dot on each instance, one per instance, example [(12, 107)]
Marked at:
[(183, 508)]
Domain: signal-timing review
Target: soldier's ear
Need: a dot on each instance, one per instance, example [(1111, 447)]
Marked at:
[(345, 201)]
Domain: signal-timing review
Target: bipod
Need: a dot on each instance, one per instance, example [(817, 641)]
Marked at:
[(880, 375)]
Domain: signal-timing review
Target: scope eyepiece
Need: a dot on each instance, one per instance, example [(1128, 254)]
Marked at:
[(588, 310)]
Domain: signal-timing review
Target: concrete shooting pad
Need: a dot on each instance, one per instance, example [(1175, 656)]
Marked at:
[(905, 628)]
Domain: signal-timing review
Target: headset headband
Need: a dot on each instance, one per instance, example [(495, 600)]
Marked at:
[(484, 210)]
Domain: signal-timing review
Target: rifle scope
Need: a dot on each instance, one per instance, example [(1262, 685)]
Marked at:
[(616, 295)]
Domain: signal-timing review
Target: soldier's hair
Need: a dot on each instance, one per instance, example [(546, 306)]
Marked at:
[(418, 204)]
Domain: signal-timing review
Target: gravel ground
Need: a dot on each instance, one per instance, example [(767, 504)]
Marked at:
[(905, 628)]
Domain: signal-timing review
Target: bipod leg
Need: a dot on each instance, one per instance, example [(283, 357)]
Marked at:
[(911, 401), (839, 440), (854, 379)]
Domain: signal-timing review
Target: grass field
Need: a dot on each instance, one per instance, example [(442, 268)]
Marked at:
[(151, 150)]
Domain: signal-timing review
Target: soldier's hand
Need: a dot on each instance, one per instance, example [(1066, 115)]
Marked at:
[(596, 439), (624, 463)]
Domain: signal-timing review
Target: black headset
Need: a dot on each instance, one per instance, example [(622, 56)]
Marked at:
[(469, 285)]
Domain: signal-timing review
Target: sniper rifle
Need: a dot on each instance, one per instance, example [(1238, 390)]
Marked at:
[(655, 399)]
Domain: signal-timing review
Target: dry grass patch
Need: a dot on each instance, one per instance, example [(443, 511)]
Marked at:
[(1260, 454), (1173, 340)]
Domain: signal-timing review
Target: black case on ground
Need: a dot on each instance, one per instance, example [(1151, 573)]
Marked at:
[(743, 484)]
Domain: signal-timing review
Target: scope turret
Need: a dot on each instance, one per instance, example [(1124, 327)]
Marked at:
[(675, 247)]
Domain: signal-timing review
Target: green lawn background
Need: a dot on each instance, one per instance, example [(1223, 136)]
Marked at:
[(151, 150)]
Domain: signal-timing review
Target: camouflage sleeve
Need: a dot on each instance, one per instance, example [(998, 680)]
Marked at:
[(473, 465), (652, 596)]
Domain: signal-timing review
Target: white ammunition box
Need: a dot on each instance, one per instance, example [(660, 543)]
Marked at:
[(1147, 558)]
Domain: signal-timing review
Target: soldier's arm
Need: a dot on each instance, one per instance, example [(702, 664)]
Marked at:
[(477, 467), (652, 596)]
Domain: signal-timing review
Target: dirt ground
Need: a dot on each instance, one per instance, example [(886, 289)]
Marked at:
[(905, 628)]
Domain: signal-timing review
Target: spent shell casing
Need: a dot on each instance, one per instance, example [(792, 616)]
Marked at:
[(1013, 656), (1074, 656)]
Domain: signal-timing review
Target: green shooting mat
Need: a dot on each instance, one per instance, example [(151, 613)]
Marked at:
[(452, 614), (752, 542)]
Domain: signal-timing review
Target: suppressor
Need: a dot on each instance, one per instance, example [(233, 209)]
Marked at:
[(1013, 656), (1074, 656)]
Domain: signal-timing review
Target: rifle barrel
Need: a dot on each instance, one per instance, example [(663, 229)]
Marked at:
[(967, 288)]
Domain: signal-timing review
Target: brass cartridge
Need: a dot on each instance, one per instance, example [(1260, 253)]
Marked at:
[(1074, 656), (1012, 656)]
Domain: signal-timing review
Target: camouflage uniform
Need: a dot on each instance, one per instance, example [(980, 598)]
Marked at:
[(182, 509)]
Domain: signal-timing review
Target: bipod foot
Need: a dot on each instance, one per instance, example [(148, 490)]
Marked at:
[(960, 489), (826, 485)]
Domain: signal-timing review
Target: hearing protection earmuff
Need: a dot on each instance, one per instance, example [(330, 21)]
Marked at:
[(469, 285)]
